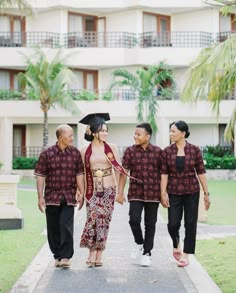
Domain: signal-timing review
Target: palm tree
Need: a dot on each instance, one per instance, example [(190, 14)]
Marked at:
[(19, 4), (144, 83), (213, 77), (47, 81)]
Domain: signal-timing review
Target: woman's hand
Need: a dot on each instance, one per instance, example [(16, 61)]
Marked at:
[(120, 198), (165, 200), (207, 202)]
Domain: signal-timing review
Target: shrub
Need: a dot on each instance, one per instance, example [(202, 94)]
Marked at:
[(24, 163), (216, 151), (1, 164), (225, 162)]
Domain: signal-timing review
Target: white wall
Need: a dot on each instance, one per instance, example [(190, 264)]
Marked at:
[(201, 20), (49, 21), (125, 21), (203, 134)]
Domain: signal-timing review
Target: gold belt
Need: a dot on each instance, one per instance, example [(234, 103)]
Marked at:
[(102, 172)]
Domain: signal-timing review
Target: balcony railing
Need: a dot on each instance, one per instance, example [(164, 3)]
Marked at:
[(178, 39), (34, 151), (175, 39), (27, 151), (100, 40), (96, 94), (223, 36), (29, 39)]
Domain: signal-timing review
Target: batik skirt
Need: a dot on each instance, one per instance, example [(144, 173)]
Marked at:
[(99, 214)]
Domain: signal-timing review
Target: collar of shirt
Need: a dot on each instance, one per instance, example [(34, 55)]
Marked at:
[(174, 146), (148, 148), (66, 150)]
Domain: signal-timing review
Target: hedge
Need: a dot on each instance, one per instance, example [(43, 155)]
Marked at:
[(24, 163)]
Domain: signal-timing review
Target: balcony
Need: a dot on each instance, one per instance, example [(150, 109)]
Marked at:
[(100, 40), (176, 39), (119, 94), (223, 36), (34, 151), (29, 39)]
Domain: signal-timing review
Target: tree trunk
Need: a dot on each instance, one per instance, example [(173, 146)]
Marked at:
[(45, 130)]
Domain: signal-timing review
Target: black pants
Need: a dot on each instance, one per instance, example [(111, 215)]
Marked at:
[(187, 203), (150, 219), (60, 229)]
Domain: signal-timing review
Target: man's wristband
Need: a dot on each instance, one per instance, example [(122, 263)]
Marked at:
[(206, 193)]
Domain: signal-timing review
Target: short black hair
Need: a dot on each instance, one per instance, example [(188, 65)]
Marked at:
[(145, 126), (182, 126)]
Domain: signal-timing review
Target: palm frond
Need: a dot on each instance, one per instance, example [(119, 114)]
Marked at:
[(229, 130)]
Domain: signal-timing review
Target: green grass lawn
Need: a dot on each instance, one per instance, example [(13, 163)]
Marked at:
[(218, 257), (18, 247)]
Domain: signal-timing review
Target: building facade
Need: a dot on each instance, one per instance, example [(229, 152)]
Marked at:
[(96, 38)]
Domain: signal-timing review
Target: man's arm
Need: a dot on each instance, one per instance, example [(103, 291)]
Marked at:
[(40, 189), (80, 190), (164, 196)]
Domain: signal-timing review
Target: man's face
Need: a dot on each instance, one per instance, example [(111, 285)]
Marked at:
[(141, 137), (67, 137)]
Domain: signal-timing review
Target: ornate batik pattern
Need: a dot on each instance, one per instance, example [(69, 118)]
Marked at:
[(99, 214)]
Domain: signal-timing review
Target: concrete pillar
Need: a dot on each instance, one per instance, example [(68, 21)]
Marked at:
[(10, 215), (162, 136), (80, 136), (6, 145)]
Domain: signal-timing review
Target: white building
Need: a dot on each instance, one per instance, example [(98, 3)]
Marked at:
[(97, 37)]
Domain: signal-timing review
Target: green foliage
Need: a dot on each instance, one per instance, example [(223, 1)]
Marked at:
[(212, 77), (107, 96), (217, 157), (11, 95), (24, 163), (85, 95), (47, 82), (144, 82), (1, 164)]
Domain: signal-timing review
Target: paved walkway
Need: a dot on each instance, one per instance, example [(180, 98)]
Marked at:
[(118, 274)]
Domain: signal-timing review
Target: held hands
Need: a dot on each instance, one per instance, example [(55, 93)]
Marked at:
[(79, 199), (41, 204), (120, 198), (165, 200)]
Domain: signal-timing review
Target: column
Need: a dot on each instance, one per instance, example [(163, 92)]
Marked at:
[(6, 146)]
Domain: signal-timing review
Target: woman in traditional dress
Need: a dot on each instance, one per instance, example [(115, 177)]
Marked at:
[(102, 167)]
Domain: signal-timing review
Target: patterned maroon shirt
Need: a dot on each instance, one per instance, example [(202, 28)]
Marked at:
[(60, 169), (185, 182), (145, 166)]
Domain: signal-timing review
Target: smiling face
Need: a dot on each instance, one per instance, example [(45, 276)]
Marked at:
[(102, 133), (175, 134), (141, 137)]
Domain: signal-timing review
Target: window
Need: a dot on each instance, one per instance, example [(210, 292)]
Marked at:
[(82, 30), (11, 29), (85, 79), (222, 142), (156, 30), (8, 80)]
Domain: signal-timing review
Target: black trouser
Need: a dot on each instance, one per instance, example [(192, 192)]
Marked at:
[(187, 203), (60, 229), (150, 219)]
